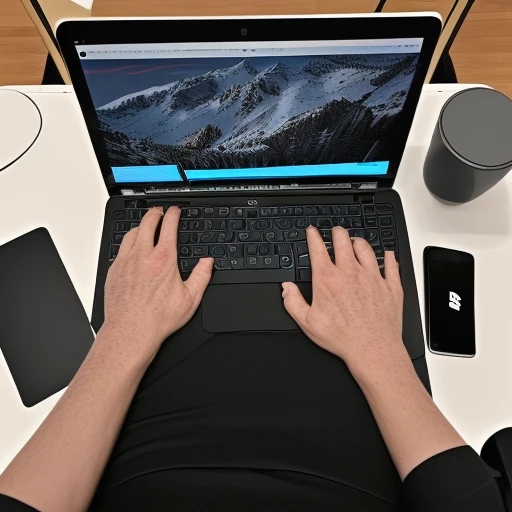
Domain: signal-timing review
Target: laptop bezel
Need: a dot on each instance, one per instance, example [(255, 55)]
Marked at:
[(208, 29)]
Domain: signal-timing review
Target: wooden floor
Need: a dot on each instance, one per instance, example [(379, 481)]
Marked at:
[(482, 52)]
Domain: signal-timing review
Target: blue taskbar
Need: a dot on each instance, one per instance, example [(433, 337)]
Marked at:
[(161, 173)]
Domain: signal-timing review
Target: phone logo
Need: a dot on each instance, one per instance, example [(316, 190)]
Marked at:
[(454, 301)]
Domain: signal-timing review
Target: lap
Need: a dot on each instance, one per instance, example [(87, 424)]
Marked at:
[(272, 401)]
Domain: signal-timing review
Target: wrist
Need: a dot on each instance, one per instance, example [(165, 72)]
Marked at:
[(382, 365), (131, 348)]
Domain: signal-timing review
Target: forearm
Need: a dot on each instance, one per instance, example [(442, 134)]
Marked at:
[(412, 426), (60, 467)]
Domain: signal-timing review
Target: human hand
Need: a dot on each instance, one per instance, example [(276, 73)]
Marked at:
[(145, 298), (355, 313)]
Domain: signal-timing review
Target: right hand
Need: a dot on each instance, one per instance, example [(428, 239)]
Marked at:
[(355, 313)]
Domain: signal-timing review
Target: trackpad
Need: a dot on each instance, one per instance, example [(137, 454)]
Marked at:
[(245, 307)]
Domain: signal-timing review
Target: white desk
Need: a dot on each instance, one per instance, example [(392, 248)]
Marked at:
[(61, 173)]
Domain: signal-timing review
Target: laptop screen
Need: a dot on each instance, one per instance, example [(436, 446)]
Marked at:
[(258, 110)]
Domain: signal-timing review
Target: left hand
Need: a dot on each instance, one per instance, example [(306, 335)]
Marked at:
[(145, 298)]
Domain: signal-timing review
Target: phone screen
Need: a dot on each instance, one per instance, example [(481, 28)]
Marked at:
[(449, 301)]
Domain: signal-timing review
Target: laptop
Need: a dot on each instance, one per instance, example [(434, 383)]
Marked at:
[(257, 127)]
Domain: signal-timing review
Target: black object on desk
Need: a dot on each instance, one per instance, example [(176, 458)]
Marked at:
[(450, 301), (471, 148), (44, 331)]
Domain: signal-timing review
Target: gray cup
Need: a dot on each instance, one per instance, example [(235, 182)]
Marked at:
[(471, 149)]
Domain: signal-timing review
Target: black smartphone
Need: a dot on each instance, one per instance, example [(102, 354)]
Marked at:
[(450, 301)]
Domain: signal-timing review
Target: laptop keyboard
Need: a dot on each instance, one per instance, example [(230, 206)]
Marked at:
[(262, 243)]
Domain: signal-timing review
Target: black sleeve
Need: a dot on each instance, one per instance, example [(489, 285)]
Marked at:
[(454, 480), (11, 505)]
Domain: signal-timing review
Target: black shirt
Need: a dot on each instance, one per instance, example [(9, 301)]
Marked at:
[(247, 423)]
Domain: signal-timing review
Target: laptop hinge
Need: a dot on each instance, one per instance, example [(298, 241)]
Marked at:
[(370, 186)]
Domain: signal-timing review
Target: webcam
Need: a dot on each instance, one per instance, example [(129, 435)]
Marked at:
[(83, 54), (244, 31)]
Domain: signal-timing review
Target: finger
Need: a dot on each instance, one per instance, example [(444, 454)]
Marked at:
[(128, 242), (392, 272), (147, 228), (169, 232), (200, 277), (317, 251), (295, 304), (365, 255), (343, 251)]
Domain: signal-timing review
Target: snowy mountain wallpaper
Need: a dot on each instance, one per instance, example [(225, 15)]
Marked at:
[(225, 113)]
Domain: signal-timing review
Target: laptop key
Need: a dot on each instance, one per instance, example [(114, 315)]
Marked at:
[(339, 210), (285, 261), (117, 238), (356, 233), (114, 251), (133, 214), (235, 251), (371, 222), (385, 222), (283, 249), (304, 261), (270, 261), (237, 263), (217, 251), (222, 264), (326, 235), (274, 236), (250, 236), (119, 215), (324, 223), (223, 212), (292, 236), (372, 236), (251, 250), (238, 225), (301, 223), (209, 237), (185, 251), (254, 262), (357, 222), (302, 248), (304, 274), (283, 224), (187, 265), (227, 237), (200, 250), (261, 224), (265, 249)]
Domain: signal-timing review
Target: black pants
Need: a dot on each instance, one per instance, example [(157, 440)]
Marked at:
[(255, 400)]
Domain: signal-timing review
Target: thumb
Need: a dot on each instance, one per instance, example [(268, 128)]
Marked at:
[(200, 277), (295, 304)]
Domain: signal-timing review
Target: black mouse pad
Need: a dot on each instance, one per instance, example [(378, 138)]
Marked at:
[(44, 331), (245, 307)]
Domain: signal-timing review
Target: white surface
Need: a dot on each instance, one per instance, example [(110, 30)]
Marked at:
[(61, 172), (19, 125), (87, 4)]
